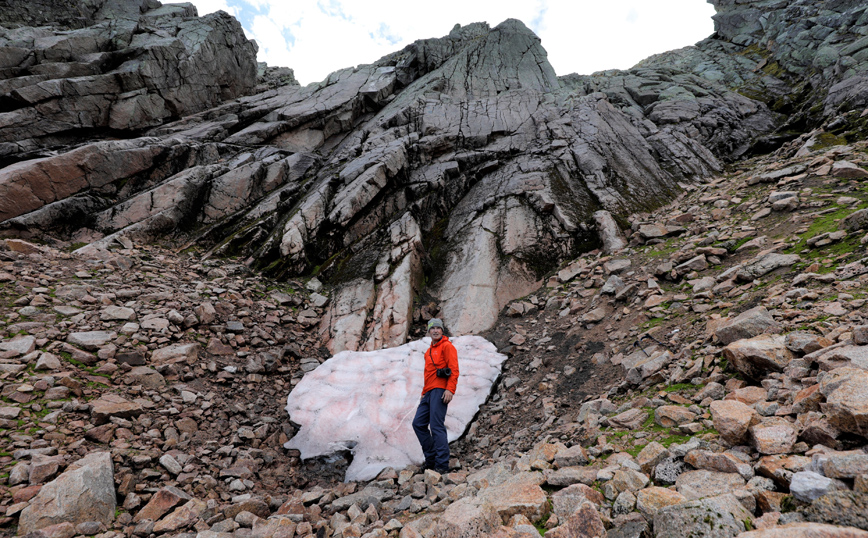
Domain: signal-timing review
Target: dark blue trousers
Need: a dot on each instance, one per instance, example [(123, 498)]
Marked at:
[(432, 413)]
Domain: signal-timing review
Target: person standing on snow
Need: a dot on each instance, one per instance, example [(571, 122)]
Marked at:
[(441, 379)]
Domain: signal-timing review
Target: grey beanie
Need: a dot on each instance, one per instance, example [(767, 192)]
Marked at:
[(435, 322)]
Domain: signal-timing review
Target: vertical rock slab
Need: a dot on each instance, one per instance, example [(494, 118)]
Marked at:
[(365, 402), (85, 492)]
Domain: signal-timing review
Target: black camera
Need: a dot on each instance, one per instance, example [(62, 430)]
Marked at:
[(444, 372)]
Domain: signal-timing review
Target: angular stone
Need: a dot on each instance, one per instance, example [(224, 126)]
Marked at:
[(806, 486), (652, 454), (845, 465), (629, 420), (671, 416), (802, 342), (648, 366), (117, 313), (112, 405), (575, 455), (146, 377), (176, 353), (48, 361), (567, 500), (773, 436), (20, 345), (846, 392), (181, 518), (585, 522), (764, 264), (845, 508), (650, 500), (714, 517), (700, 484), (732, 419), (720, 462), (164, 500), (85, 492), (843, 356), (755, 357), (629, 480), (748, 324), (91, 340), (467, 517)]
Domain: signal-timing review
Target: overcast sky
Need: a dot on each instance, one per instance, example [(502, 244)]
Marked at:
[(316, 37)]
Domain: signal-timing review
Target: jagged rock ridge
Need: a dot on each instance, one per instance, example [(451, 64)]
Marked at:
[(463, 162)]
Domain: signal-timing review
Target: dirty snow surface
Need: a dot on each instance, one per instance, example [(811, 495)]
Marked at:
[(365, 401)]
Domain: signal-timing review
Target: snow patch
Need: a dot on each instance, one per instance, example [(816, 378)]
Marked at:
[(365, 401)]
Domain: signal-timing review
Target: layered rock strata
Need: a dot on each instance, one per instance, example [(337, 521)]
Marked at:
[(463, 163)]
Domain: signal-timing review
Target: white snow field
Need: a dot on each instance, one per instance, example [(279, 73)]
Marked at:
[(365, 401)]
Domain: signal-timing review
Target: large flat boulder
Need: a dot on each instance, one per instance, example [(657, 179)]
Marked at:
[(84, 492)]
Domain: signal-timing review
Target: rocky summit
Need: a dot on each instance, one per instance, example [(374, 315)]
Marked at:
[(670, 262)]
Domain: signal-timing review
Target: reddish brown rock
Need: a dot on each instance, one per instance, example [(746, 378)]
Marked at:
[(585, 522), (670, 416), (111, 405), (160, 504), (732, 419), (649, 500), (773, 436)]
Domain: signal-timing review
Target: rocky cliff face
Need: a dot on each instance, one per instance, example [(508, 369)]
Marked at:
[(460, 166)]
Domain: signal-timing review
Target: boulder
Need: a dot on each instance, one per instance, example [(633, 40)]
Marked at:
[(146, 377), (845, 508), (732, 419), (748, 324), (160, 504), (843, 356), (91, 340), (111, 405), (718, 517), (773, 436), (585, 522), (755, 357), (807, 486), (671, 416), (629, 420), (720, 462), (802, 342), (846, 392), (701, 483), (466, 518), (650, 500), (567, 500), (84, 492), (176, 353), (764, 264)]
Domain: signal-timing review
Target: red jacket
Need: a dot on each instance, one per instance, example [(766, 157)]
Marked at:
[(441, 355)]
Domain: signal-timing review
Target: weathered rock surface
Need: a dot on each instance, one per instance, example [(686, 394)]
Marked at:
[(85, 492)]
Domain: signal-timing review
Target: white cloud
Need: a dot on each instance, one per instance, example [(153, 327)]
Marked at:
[(205, 7), (316, 37)]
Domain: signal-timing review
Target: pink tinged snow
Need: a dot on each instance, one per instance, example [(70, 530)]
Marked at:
[(365, 402)]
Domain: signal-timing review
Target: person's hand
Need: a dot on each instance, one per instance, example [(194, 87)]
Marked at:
[(447, 396)]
